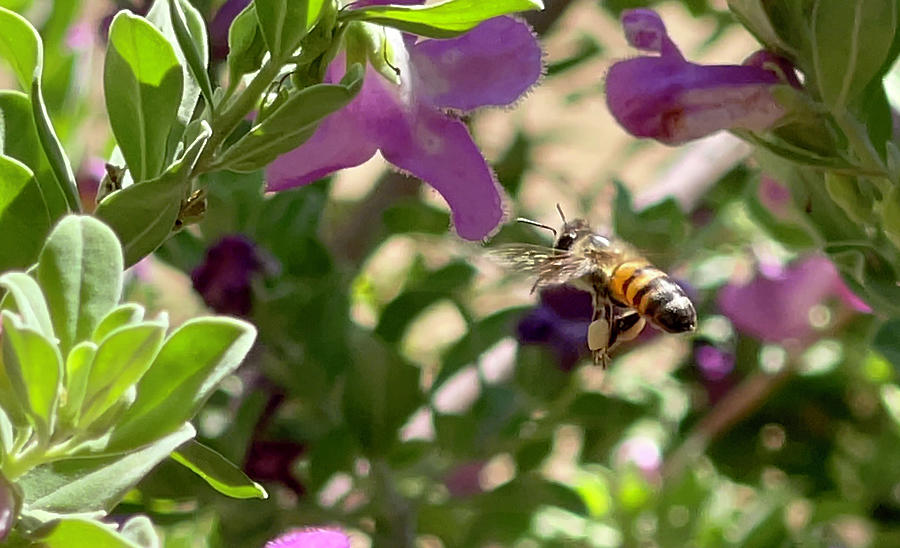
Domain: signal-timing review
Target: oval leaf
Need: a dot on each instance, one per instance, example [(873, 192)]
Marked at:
[(285, 22), (34, 366), (143, 215), (26, 295), (142, 82), (24, 221), (81, 533), (851, 42), (218, 472), (122, 315), (246, 46), (19, 139), (21, 46), (442, 20), (191, 363), (80, 271)]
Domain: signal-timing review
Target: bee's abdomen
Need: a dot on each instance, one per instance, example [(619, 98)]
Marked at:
[(654, 295)]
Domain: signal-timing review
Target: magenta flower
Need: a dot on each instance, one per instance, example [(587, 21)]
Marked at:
[(311, 538), (672, 100), (560, 323), (492, 65), (775, 306)]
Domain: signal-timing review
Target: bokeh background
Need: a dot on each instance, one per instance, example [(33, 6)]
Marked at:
[(412, 393)]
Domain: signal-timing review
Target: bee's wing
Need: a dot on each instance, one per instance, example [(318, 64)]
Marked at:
[(552, 266)]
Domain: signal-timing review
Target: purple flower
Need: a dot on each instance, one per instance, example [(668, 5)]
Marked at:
[(273, 460), (494, 64), (311, 538), (218, 27), (775, 197), (715, 367), (672, 100), (775, 305), (465, 480), (223, 279), (560, 322)]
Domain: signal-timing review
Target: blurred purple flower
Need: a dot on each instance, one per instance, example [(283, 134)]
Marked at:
[(775, 305), (715, 367), (672, 100), (560, 322), (273, 460), (774, 196), (464, 480), (311, 538), (90, 173), (218, 27), (494, 64), (223, 279)]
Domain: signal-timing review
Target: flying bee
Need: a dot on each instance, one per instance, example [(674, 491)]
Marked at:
[(627, 290)]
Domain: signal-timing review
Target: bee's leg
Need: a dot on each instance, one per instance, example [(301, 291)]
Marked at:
[(625, 326), (599, 334)]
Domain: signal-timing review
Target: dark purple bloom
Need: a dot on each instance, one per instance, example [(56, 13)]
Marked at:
[(218, 27), (560, 322), (775, 305), (273, 461), (223, 279), (492, 65), (311, 538), (672, 100)]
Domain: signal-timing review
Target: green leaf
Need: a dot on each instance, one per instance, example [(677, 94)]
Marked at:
[(78, 368), (190, 33), (140, 529), (185, 30), (121, 360), (851, 42), (143, 215), (246, 46), (887, 341), (29, 302), (24, 220), (93, 484), (81, 533), (122, 315), (218, 472), (143, 83), (21, 45), (34, 366), (191, 363), (285, 22), (19, 139), (442, 20), (80, 271), (292, 123), (381, 392), (657, 228)]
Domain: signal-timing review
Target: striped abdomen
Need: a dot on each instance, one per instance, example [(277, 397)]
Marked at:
[(647, 289)]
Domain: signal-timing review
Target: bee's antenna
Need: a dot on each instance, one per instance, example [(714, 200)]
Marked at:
[(561, 214), (537, 224)]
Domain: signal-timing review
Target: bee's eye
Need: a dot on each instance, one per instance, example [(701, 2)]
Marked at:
[(565, 241)]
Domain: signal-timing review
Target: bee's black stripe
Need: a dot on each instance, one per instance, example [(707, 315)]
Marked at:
[(658, 286), (634, 276)]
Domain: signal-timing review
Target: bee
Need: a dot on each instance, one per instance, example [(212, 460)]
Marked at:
[(627, 290)]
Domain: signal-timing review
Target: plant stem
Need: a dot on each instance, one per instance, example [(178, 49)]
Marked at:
[(397, 510), (228, 119)]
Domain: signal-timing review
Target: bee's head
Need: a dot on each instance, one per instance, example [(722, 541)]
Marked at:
[(570, 232)]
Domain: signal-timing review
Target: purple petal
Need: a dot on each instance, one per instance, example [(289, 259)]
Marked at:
[(224, 277), (311, 538), (342, 140), (439, 150), (676, 101), (218, 28), (775, 64), (774, 196), (776, 309), (645, 30), (491, 65)]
